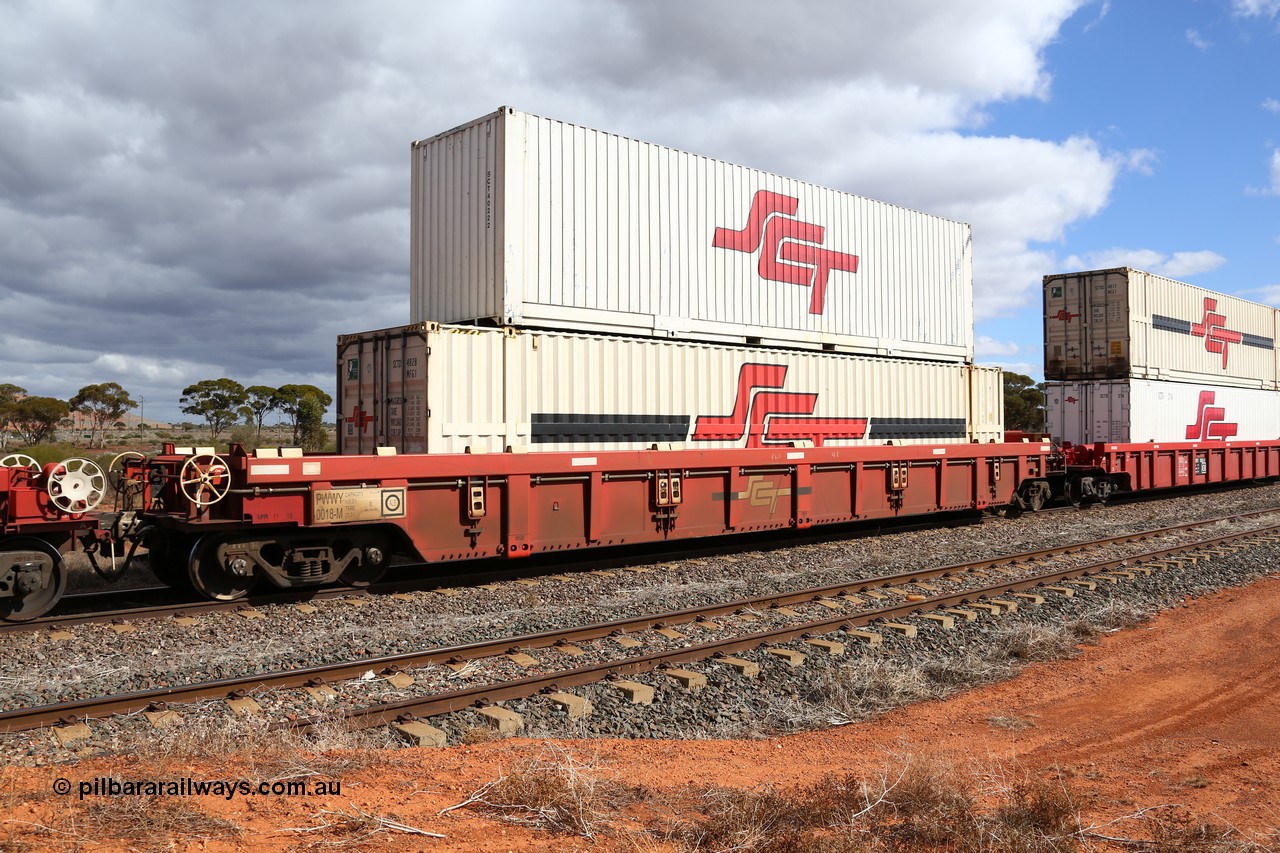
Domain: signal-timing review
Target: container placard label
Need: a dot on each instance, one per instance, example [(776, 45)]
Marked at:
[(329, 506)]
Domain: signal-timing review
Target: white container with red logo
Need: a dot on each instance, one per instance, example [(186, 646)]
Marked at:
[(1129, 324), (520, 220), (427, 388), (1146, 410)]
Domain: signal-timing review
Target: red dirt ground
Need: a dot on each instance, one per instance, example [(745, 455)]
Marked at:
[(1181, 710)]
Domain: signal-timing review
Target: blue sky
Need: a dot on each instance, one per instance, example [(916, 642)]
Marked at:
[(1187, 95), (193, 190)]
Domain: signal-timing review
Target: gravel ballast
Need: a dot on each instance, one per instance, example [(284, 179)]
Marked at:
[(825, 690)]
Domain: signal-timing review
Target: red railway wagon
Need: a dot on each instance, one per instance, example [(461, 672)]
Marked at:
[(1095, 471), (226, 522), (43, 511)]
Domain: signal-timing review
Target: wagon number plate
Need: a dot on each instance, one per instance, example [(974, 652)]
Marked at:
[(334, 505)]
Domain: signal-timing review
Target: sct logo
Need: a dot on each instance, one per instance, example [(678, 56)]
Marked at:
[(773, 417), (1216, 336), (358, 418), (1065, 316), (1071, 400), (1209, 420), (792, 252)]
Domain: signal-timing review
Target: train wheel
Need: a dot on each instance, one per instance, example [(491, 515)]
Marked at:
[(38, 584), (369, 569), (215, 576)]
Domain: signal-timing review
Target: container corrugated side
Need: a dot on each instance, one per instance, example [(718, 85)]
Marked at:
[(527, 221), (1125, 323), (1146, 410), (447, 389)]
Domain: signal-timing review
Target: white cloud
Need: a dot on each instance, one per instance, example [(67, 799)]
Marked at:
[(1271, 105), (1103, 11), (1256, 8), (1197, 41), (1027, 368), (1177, 265), (1268, 295), (1141, 160), (986, 347), (1184, 264), (226, 183), (1274, 187)]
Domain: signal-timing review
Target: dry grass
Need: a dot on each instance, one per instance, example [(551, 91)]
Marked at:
[(1030, 642), (1173, 829), (326, 748), (872, 685), (1113, 616), (931, 806), (141, 822), (480, 734), (925, 806), (922, 806), (337, 828), (554, 791), (865, 688)]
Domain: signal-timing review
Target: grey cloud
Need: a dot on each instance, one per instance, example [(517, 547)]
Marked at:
[(222, 188)]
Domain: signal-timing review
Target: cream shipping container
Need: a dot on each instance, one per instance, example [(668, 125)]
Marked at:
[(449, 389), (519, 220), (1147, 410), (1128, 324)]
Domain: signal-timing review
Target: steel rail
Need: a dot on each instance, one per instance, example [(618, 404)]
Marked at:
[(23, 719), (404, 710), (187, 606)]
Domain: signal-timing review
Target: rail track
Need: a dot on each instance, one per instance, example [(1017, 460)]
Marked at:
[(160, 602), (667, 640)]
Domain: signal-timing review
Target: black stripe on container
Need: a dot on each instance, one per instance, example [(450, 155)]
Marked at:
[(1183, 327), (889, 428), (1257, 341), (1171, 324), (558, 428)]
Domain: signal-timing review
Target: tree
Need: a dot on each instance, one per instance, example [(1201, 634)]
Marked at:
[(218, 401), (103, 404), (311, 424), (291, 397), (1023, 403), (262, 399), (36, 418), (9, 395)]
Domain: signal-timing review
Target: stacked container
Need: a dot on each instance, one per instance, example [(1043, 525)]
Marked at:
[(1134, 357), (428, 388), (623, 294), (519, 220)]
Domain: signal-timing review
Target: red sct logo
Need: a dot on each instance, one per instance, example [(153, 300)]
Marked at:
[(1216, 336), (1065, 316), (792, 252), (769, 417), (1209, 420), (359, 417)]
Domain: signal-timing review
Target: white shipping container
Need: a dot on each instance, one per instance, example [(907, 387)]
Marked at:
[(520, 220), (1124, 323), (1145, 410), (448, 389)]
